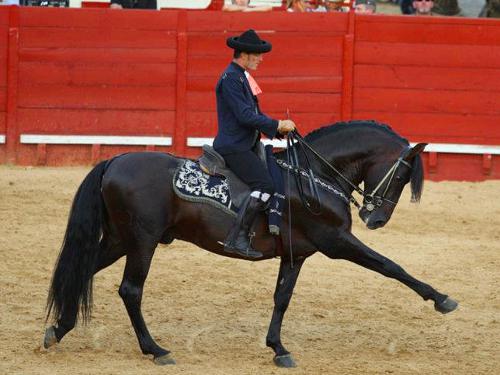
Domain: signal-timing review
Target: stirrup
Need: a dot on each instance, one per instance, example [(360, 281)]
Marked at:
[(248, 252)]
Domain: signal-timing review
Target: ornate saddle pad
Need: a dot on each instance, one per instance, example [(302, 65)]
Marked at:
[(221, 188), (194, 185)]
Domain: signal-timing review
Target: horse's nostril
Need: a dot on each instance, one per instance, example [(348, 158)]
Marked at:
[(375, 224)]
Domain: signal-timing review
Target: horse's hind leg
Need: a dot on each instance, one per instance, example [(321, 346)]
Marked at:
[(109, 253), (131, 288)]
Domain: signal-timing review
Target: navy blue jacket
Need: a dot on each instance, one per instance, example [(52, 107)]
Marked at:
[(239, 117)]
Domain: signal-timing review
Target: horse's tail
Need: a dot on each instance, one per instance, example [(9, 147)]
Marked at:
[(71, 285)]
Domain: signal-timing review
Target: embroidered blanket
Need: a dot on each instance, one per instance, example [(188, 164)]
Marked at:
[(194, 185)]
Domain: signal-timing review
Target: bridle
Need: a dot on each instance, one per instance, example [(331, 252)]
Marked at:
[(371, 200)]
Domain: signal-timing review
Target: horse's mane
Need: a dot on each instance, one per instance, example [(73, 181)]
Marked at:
[(339, 126), (417, 175), (417, 179)]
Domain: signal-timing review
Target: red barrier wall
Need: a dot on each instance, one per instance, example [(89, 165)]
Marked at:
[(303, 73), (433, 81), (4, 32), (129, 73)]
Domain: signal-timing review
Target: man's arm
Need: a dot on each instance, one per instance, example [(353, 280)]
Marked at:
[(244, 112)]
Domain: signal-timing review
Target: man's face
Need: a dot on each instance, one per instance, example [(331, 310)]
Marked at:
[(251, 60), (364, 9), (423, 7), (241, 3), (332, 6)]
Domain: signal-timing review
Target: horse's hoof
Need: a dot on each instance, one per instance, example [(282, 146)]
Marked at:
[(448, 305), (166, 359), (284, 361), (50, 337)]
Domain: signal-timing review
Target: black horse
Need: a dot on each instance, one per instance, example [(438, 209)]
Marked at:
[(127, 205)]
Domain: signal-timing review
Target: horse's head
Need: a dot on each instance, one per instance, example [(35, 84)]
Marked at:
[(384, 183), (367, 151)]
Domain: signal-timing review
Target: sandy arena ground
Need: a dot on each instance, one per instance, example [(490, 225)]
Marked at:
[(213, 312)]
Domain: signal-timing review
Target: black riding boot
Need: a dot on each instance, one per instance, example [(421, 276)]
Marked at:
[(238, 239)]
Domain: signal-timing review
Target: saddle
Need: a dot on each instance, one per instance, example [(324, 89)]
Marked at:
[(210, 181), (212, 163)]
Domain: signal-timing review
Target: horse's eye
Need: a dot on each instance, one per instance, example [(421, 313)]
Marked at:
[(399, 178)]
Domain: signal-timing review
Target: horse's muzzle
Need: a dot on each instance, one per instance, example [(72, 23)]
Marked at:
[(376, 224), (372, 219)]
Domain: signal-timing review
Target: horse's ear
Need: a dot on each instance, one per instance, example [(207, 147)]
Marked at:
[(415, 150)]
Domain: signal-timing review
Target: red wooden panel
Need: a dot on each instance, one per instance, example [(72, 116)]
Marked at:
[(3, 154), (201, 124), (277, 84), (427, 101), (4, 16), (460, 167), (440, 127), (71, 155), (95, 74), (273, 66), (58, 155), (3, 55), (427, 31), (308, 121), (4, 31), (94, 4), (427, 55), (107, 151), (52, 37), (424, 77), (279, 102), (204, 124), (311, 44), (97, 18), (3, 72), (102, 122), (57, 96), (4, 40), (230, 22), (2, 122), (3, 98), (99, 55)]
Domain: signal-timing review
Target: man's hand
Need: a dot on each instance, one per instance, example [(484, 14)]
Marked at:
[(286, 126)]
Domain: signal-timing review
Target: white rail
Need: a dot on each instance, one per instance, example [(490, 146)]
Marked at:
[(450, 148), (95, 139)]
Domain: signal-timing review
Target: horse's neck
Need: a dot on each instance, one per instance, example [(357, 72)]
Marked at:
[(351, 162)]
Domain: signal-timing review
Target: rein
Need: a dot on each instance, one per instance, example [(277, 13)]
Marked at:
[(370, 200), (293, 160)]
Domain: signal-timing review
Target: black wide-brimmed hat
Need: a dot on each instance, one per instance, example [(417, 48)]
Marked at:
[(249, 42)]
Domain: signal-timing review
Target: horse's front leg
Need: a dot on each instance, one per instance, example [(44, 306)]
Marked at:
[(350, 248), (287, 278)]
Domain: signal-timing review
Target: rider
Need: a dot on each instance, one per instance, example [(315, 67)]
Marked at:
[(240, 123)]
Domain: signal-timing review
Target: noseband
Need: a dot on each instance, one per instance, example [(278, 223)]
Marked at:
[(372, 200)]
